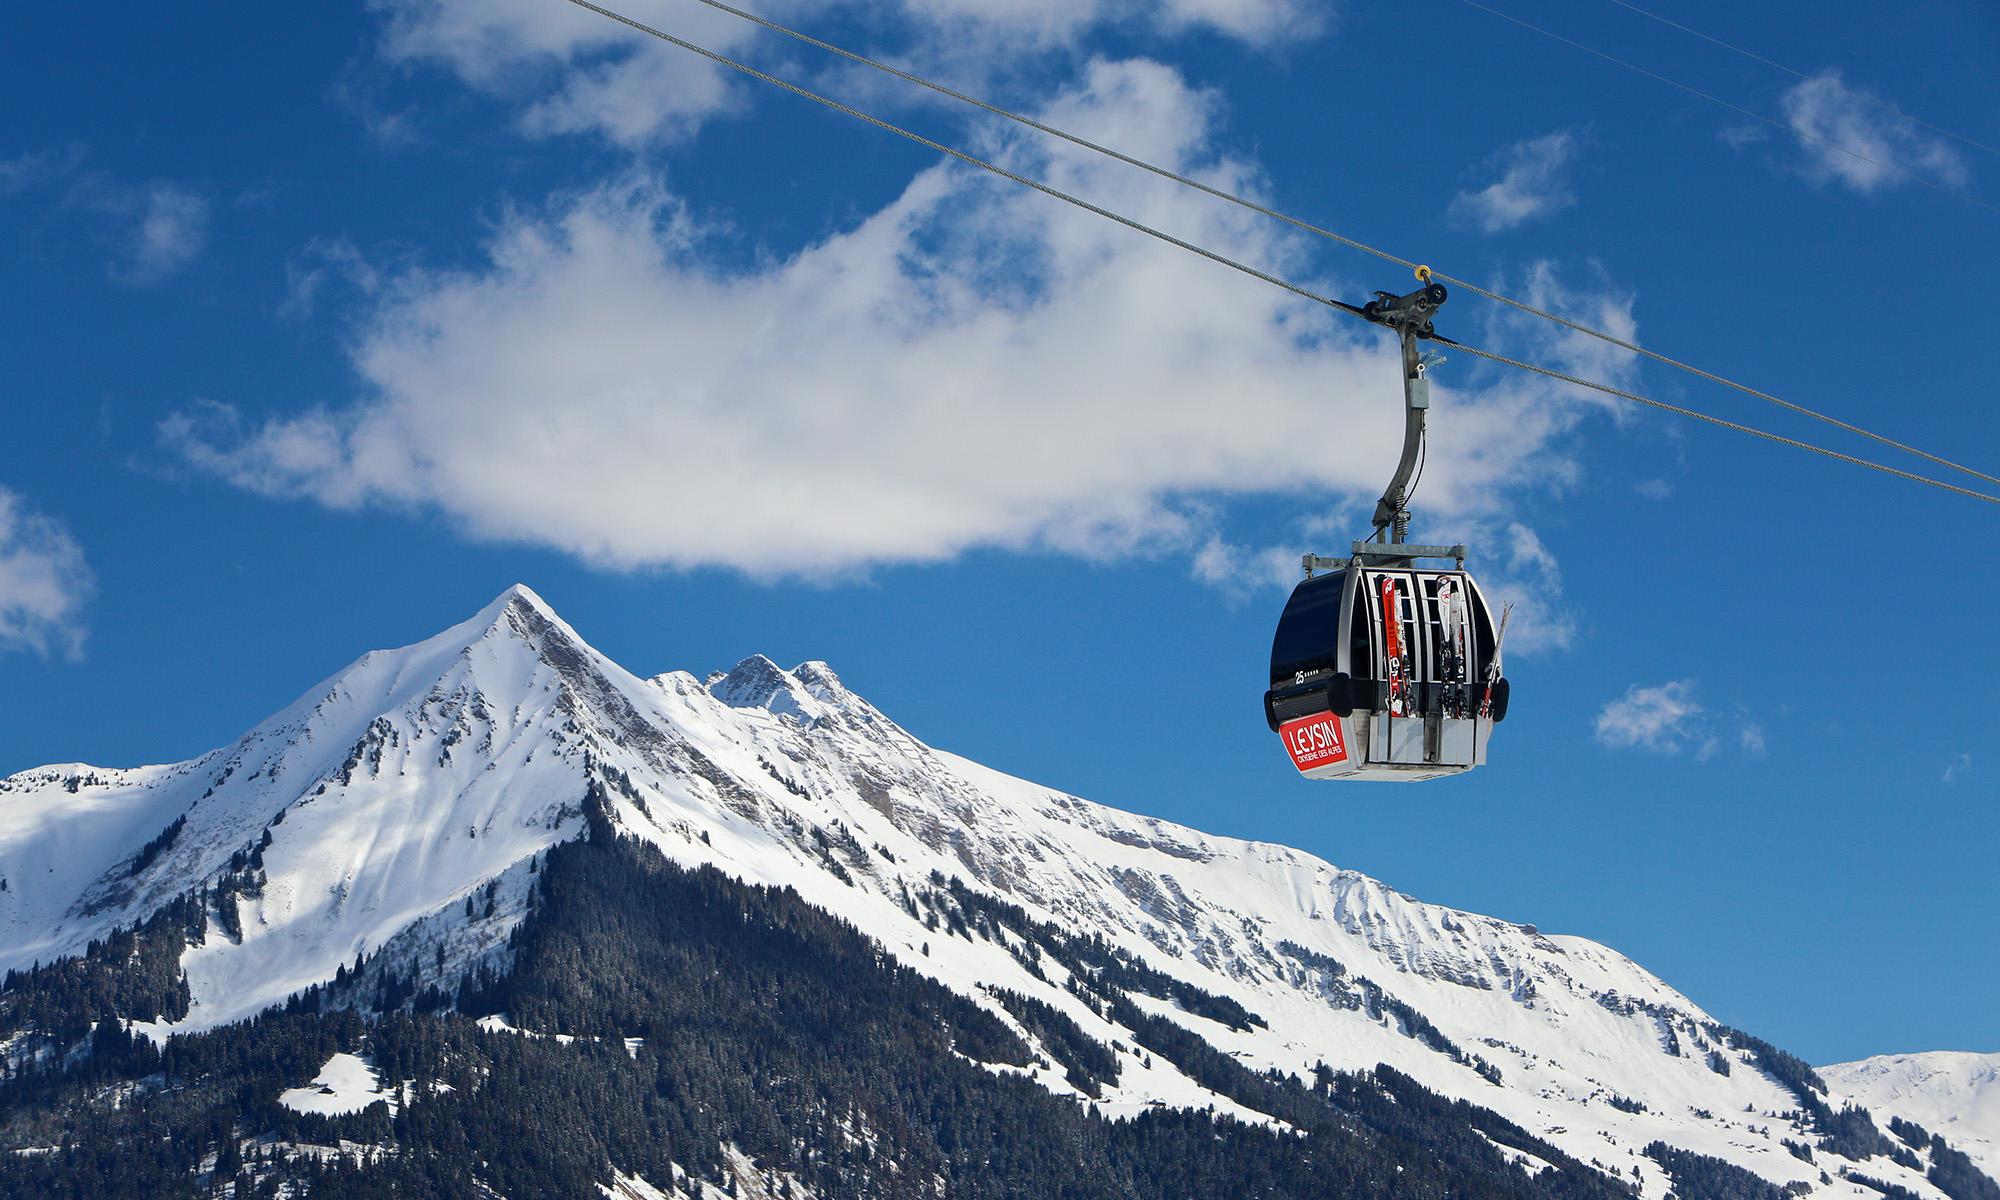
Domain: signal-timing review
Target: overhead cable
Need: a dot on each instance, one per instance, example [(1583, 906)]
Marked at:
[(971, 160), (1224, 260), (1767, 435), (1267, 211), (1712, 98), (1745, 388), (1753, 56)]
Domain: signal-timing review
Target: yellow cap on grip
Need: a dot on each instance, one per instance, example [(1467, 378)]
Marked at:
[(1423, 274)]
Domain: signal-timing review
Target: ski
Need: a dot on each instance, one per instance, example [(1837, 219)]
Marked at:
[(1451, 612), (1400, 674)]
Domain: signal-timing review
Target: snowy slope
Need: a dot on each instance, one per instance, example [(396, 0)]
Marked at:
[(1947, 1092), (402, 782), (395, 810)]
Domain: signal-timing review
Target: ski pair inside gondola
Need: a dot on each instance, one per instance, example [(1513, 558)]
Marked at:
[(1384, 668)]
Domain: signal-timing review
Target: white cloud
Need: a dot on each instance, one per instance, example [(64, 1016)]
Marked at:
[(1241, 571), (361, 91), (1668, 719), (324, 263), (1534, 182), (1742, 136), (569, 70), (973, 366), (1602, 305), (1750, 738), (573, 72), (38, 167), (155, 230), (1885, 149), (1659, 718), (1957, 767), (1517, 570), (1058, 23), (169, 231), (44, 582), (1654, 489)]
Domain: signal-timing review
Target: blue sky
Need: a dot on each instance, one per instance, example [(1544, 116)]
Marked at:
[(324, 327)]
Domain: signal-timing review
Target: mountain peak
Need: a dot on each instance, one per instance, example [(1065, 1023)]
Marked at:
[(518, 599), (523, 594), (757, 682), (520, 615)]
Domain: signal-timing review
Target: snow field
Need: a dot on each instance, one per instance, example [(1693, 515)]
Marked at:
[(346, 1084)]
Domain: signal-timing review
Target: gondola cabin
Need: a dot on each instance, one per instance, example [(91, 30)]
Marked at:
[(1382, 672)]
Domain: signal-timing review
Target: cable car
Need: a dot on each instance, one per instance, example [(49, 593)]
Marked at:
[(1384, 668)]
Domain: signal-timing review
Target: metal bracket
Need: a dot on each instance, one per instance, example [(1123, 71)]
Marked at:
[(1397, 552), (1410, 312), (1313, 562)]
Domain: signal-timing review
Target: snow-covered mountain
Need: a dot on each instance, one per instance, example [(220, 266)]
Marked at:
[(397, 812), (1953, 1093)]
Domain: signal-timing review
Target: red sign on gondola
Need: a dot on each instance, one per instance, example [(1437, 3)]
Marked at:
[(1314, 741)]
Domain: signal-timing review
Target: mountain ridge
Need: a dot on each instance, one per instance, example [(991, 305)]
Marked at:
[(394, 816), (1951, 1092)]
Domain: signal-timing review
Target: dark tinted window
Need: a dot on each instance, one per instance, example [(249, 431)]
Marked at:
[(1309, 633), (1482, 631)]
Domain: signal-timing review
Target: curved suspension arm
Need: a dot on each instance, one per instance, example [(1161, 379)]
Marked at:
[(1410, 316)]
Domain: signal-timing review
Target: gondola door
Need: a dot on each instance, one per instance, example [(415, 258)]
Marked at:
[(1450, 735), (1401, 663)]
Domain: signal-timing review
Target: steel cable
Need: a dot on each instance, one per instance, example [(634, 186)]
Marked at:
[(972, 160), (1260, 209), (1698, 415), (1745, 388), (1753, 56), (1253, 272), (1738, 109)]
